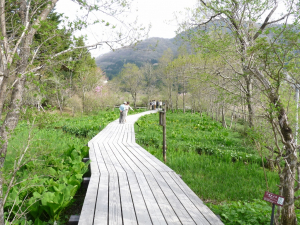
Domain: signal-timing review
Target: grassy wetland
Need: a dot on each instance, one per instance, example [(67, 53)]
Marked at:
[(221, 166)]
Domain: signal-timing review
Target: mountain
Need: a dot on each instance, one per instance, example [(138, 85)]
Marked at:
[(149, 50)]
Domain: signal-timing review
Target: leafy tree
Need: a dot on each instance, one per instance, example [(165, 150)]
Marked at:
[(166, 70), (131, 80), (150, 79)]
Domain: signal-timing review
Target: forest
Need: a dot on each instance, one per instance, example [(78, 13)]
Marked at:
[(231, 92)]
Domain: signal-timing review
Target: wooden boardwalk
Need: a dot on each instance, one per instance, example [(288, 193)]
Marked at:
[(130, 186)]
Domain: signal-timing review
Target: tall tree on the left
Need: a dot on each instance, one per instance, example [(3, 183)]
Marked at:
[(20, 21)]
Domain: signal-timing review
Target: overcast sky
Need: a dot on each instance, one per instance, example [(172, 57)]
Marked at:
[(159, 13)]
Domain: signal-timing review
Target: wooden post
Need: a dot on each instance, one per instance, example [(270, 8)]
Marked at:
[(162, 122)]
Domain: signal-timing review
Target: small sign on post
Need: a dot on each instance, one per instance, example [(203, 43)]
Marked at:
[(162, 122), (275, 200)]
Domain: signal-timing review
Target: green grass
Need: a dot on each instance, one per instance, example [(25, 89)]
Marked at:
[(211, 174)]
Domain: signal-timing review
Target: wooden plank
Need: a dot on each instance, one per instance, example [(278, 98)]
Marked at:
[(88, 208), (128, 211), (109, 164), (163, 203), (207, 213), (93, 160), (110, 148), (147, 161), (153, 208), (114, 208), (101, 212), (145, 154), (179, 209), (110, 167), (122, 158), (101, 164), (131, 154), (141, 210), (133, 162), (185, 201), (109, 152)]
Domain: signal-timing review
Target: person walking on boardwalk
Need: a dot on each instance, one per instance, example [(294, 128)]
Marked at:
[(127, 107), (122, 113), (154, 105)]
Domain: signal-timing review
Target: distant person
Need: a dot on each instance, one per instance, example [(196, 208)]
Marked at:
[(157, 104), (160, 104), (150, 104), (154, 105), (122, 113), (127, 107)]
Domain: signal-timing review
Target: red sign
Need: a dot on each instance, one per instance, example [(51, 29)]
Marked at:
[(273, 198)]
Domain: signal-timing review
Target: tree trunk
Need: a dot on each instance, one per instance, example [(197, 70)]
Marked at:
[(83, 100), (183, 96), (288, 174), (9, 124), (232, 115), (249, 99), (3, 88), (288, 216), (223, 117), (134, 99)]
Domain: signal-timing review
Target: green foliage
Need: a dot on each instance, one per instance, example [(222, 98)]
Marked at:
[(89, 126), (51, 175), (202, 134), (209, 157), (48, 182), (243, 212)]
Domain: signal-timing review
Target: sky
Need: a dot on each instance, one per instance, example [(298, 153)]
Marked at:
[(160, 13)]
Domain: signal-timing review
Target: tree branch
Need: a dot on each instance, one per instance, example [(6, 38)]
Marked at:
[(262, 27)]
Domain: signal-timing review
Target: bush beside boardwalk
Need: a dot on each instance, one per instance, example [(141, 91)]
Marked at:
[(222, 167)]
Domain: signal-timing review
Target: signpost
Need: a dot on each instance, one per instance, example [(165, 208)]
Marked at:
[(162, 122), (275, 200)]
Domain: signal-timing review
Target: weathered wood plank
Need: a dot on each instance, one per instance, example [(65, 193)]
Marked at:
[(185, 201), (152, 205), (114, 209), (101, 212), (93, 160), (131, 154), (138, 201), (179, 209), (162, 201), (88, 208), (128, 211), (109, 152), (206, 212)]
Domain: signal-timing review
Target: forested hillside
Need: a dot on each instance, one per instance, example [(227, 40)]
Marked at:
[(149, 50)]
